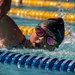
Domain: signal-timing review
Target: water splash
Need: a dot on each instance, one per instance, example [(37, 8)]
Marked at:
[(60, 10)]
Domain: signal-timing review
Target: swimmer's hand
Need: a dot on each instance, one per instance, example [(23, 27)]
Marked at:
[(4, 7)]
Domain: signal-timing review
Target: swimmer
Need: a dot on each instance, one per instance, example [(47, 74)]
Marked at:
[(48, 34), (4, 7)]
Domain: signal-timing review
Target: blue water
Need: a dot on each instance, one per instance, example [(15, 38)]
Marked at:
[(66, 49)]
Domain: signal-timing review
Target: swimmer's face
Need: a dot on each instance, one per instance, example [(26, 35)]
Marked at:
[(4, 7), (38, 37)]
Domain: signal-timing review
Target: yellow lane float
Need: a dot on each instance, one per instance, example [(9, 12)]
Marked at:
[(43, 3), (41, 15)]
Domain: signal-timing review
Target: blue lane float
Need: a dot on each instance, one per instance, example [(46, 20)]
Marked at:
[(37, 62)]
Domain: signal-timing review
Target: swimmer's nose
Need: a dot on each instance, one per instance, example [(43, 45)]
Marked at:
[(39, 39)]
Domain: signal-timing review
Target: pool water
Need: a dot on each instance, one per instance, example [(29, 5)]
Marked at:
[(65, 51)]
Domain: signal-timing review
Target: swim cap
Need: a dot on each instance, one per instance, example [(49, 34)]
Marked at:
[(56, 26)]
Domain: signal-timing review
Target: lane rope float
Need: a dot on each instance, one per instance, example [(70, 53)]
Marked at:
[(40, 15), (40, 3), (37, 62)]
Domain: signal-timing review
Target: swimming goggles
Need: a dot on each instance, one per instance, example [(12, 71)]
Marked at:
[(42, 33)]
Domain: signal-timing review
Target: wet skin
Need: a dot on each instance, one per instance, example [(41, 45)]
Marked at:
[(10, 35), (4, 7)]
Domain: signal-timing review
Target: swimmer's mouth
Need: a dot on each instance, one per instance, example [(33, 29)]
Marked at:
[(39, 45)]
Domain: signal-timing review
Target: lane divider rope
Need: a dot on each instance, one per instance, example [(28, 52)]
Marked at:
[(41, 15), (40, 3), (37, 62)]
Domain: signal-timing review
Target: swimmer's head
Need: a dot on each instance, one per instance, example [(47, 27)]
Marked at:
[(53, 31), (4, 7)]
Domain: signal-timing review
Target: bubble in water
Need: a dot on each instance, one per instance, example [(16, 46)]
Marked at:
[(60, 10)]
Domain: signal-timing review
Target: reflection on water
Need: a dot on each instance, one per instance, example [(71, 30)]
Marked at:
[(6, 69)]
